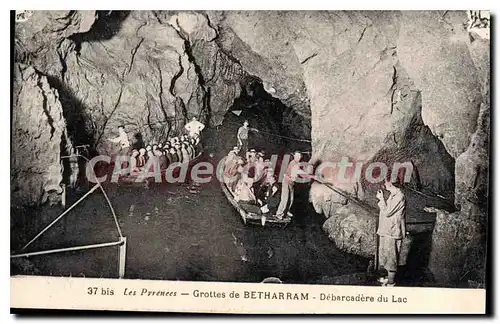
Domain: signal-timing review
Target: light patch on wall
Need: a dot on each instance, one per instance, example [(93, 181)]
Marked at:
[(23, 15), (479, 22)]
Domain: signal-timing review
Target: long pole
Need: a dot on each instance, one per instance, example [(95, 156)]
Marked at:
[(364, 206), (355, 200), (377, 243), (122, 256), (105, 196), (69, 249), (62, 215)]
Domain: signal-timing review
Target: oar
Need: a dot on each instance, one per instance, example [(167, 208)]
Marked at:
[(362, 205)]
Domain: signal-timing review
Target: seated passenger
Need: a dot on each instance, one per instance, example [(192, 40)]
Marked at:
[(157, 151), (173, 155), (235, 173), (168, 156), (185, 153), (246, 196), (260, 169), (197, 145), (230, 158), (272, 197), (134, 156), (264, 184), (177, 148), (244, 190), (141, 159), (196, 141), (162, 159), (166, 148), (149, 155), (230, 162), (190, 150), (251, 156)]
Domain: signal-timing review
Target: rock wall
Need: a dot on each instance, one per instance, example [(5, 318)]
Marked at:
[(450, 263), (434, 48), (221, 75), (358, 68), (39, 39), (466, 260), (142, 77), (38, 137), (259, 41), (119, 68)]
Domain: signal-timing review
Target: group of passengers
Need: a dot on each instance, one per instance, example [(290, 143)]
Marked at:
[(253, 183), (180, 149)]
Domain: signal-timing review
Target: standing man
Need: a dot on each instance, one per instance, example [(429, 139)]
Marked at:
[(194, 128), (391, 230), (287, 190), (122, 139), (242, 137)]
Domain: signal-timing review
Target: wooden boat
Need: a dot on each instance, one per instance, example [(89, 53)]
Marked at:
[(131, 178), (249, 217)]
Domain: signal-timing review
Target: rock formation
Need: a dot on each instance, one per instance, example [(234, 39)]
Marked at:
[(451, 263), (38, 138), (351, 228)]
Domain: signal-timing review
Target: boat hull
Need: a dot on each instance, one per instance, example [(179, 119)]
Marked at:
[(254, 218)]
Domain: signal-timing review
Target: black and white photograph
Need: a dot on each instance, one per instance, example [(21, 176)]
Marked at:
[(346, 148)]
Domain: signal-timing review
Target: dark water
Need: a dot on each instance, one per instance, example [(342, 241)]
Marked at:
[(189, 236)]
